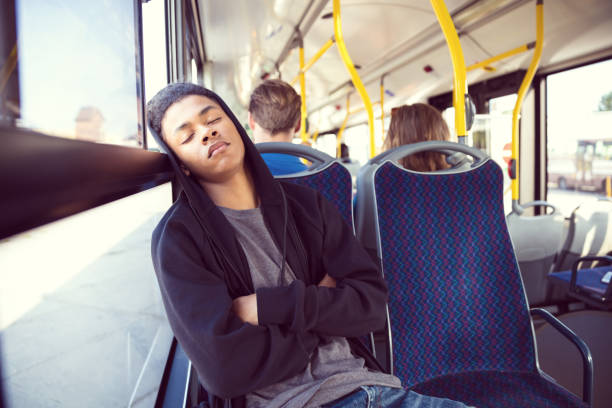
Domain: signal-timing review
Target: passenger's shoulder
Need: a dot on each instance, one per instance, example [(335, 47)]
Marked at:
[(299, 192), (305, 203), (179, 218), (302, 196)]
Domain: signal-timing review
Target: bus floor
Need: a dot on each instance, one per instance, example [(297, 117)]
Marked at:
[(561, 360)]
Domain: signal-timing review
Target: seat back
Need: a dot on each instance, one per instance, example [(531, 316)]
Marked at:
[(326, 175), (536, 240), (590, 234), (456, 301)]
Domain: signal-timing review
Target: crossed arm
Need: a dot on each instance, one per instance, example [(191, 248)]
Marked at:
[(245, 307), (348, 301)]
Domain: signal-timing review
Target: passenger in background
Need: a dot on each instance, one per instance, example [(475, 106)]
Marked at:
[(274, 116), (352, 165), (418, 123)]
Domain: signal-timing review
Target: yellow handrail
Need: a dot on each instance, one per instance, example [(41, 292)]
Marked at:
[(382, 105), (314, 59), (314, 136), (503, 55), (359, 109), (459, 84), (303, 95), (353, 72), (535, 60)]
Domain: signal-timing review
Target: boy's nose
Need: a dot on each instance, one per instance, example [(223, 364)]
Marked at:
[(207, 137)]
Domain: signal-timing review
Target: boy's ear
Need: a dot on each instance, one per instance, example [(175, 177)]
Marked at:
[(251, 122), (185, 169), (298, 125)]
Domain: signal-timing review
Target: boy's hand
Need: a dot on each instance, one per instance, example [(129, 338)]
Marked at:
[(245, 308), (328, 282)]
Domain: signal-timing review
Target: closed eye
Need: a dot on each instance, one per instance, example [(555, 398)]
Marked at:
[(214, 121), (187, 139)]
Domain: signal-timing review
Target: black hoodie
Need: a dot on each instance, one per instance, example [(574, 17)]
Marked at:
[(201, 268)]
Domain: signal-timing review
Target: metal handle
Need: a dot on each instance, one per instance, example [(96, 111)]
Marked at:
[(443, 147), (306, 152), (538, 203)]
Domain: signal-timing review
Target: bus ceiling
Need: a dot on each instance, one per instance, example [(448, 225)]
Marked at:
[(262, 43)]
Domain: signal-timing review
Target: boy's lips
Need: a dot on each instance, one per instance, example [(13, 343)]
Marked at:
[(215, 147)]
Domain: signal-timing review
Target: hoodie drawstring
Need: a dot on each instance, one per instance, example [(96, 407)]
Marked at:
[(282, 270)]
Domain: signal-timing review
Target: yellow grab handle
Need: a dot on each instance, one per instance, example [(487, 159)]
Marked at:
[(353, 72), (535, 60), (503, 55), (454, 46), (314, 59), (303, 134)]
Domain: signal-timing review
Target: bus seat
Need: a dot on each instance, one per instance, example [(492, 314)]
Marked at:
[(536, 240), (592, 286), (459, 323), (326, 175), (590, 234)]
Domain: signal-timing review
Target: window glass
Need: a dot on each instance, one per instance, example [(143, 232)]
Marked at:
[(498, 125), (579, 119), (81, 320), (327, 144), (357, 138), (154, 53), (78, 67), (492, 133)]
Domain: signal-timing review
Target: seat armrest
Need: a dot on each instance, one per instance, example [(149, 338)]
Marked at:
[(587, 359)]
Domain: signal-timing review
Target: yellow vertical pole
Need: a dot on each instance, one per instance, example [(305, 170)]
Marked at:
[(303, 94), (535, 60), (314, 137), (382, 106), (353, 72), (459, 75), (608, 187)]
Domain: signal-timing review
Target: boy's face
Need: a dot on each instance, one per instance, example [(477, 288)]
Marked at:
[(204, 138)]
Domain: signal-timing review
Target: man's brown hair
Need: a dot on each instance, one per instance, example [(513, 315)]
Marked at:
[(275, 106), (418, 123)]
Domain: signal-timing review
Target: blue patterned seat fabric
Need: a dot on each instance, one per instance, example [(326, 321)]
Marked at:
[(334, 183), (500, 389), (457, 305)]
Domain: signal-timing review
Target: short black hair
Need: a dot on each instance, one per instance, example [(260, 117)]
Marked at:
[(159, 104)]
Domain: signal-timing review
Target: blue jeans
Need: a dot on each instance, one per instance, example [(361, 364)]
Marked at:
[(371, 396)]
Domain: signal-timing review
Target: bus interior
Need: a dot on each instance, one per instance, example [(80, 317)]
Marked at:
[(84, 183)]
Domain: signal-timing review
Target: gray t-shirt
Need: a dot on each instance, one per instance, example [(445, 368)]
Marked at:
[(333, 370)]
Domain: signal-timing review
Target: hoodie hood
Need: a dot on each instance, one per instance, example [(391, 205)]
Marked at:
[(209, 216)]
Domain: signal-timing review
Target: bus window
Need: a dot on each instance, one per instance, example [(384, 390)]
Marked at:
[(326, 143), (78, 70), (154, 53), (82, 320), (491, 133), (578, 134), (500, 147)]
